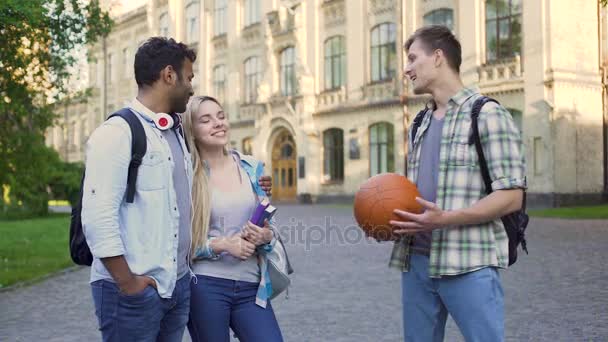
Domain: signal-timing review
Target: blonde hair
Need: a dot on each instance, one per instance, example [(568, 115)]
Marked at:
[(201, 198)]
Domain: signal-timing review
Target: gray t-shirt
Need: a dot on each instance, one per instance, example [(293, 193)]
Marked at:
[(428, 172), (182, 191), (230, 211)]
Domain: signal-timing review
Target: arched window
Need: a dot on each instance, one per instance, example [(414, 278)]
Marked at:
[(219, 17), (163, 25), (192, 28), (252, 12), (219, 82), (248, 146), (333, 155), (335, 62), (503, 29), (383, 52), (381, 148), (442, 16), (253, 75), (288, 72)]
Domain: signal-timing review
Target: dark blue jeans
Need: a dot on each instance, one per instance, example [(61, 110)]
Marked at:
[(144, 316), (218, 304)]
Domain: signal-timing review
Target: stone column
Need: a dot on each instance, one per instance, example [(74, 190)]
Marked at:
[(562, 121)]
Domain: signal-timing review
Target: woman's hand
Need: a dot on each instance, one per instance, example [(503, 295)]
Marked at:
[(238, 247), (257, 235)]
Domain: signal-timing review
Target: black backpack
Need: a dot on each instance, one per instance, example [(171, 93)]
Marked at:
[(79, 250), (516, 222)]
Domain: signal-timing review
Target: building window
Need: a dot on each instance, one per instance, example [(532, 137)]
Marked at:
[(384, 52), (538, 152), (99, 72), (335, 62), (288, 73), (517, 118), (253, 74), (503, 29), (333, 155), (219, 17), (219, 82), (192, 14), (125, 61), (442, 16), (248, 146), (252, 12), (381, 148), (110, 68), (163, 25)]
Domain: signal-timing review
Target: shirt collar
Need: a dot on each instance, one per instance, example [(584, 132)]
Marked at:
[(143, 110), (459, 98)]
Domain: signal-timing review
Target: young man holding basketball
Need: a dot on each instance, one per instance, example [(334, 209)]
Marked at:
[(450, 254)]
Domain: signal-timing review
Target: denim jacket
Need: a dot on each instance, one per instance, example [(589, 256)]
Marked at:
[(145, 232)]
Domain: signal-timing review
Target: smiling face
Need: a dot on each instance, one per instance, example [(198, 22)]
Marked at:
[(421, 67), (210, 125)]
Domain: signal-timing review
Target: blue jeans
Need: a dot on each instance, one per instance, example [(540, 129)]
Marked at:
[(474, 300), (144, 316), (218, 304)]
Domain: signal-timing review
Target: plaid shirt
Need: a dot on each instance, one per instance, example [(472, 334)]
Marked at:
[(462, 249)]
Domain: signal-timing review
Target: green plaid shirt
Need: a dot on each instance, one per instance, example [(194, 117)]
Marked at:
[(462, 249)]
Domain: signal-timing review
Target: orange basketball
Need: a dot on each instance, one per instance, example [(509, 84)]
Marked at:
[(376, 200)]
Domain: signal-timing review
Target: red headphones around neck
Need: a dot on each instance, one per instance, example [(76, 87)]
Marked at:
[(164, 121)]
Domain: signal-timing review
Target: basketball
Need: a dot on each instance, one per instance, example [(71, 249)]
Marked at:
[(376, 200)]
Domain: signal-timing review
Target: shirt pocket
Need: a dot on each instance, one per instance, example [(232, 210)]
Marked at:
[(151, 173), (462, 153)]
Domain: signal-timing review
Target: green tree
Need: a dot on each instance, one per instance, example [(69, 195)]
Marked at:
[(37, 43)]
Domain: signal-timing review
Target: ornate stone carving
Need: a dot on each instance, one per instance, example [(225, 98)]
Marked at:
[(334, 13), (252, 35), (378, 7), (220, 43)]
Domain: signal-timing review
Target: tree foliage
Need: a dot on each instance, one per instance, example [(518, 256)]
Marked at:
[(38, 39)]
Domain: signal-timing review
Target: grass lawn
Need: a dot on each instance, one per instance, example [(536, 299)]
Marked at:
[(591, 212), (32, 248)]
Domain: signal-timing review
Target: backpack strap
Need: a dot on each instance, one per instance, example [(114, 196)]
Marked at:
[(138, 148), (416, 123), (475, 138)]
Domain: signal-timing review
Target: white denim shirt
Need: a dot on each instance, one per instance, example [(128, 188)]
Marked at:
[(145, 231)]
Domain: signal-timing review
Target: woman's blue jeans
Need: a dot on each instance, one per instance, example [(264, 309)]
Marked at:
[(217, 304)]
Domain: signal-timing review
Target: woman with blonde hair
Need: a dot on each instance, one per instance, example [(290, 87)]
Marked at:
[(232, 288)]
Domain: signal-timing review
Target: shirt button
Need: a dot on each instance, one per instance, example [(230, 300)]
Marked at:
[(175, 208), (173, 259), (169, 158), (175, 235)]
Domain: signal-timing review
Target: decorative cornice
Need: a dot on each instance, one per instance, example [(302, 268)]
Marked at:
[(349, 108)]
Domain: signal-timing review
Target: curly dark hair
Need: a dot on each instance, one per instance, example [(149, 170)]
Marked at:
[(155, 54)]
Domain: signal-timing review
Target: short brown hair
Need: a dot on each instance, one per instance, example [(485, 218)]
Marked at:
[(439, 37)]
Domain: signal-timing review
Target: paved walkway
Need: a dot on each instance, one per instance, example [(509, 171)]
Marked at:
[(343, 290)]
